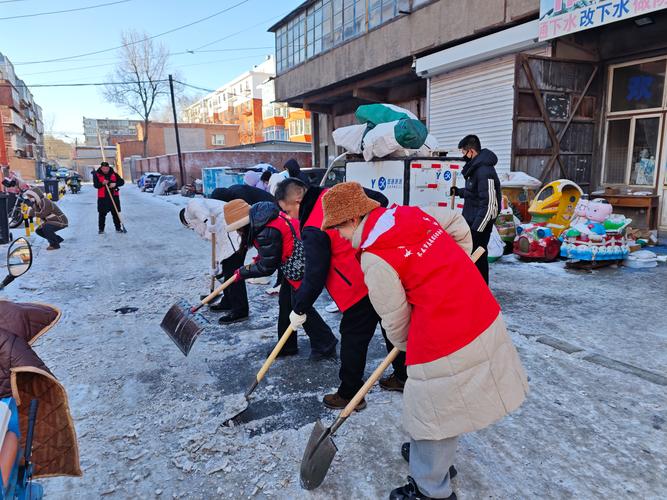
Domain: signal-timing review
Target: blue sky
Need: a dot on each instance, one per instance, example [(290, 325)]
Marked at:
[(61, 35)]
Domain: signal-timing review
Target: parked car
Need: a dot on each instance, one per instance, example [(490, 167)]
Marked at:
[(62, 173), (166, 184), (148, 181)]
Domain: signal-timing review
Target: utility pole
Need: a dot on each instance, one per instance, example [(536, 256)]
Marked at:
[(178, 140)]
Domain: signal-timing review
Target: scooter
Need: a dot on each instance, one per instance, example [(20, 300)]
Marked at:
[(74, 184), (20, 485)]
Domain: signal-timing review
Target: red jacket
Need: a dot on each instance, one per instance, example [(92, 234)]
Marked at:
[(451, 304), (102, 191), (345, 280)]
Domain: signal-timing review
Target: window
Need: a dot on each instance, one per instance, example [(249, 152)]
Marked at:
[(638, 87), (218, 140), (299, 127), (636, 109), (274, 134), (327, 23)]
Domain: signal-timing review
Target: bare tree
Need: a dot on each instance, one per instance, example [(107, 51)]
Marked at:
[(183, 100), (140, 78)]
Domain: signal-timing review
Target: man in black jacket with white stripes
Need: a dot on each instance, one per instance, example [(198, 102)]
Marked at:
[(482, 195)]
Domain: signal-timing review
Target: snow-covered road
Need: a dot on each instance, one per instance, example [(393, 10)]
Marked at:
[(148, 419)]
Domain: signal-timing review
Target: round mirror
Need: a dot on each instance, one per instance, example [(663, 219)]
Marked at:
[(19, 257)]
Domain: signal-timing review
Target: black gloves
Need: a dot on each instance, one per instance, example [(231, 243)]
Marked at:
[(454, 191)]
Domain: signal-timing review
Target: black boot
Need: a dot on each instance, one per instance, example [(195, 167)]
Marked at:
[(411, 491), (405, 453), (230, 318)]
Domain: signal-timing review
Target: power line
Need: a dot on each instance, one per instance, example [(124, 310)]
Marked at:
[(194, 86), (237, 33), (152, 37), (76, 68), (64, 11)]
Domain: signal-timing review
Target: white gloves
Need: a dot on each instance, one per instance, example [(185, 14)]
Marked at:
[(216, 271), (296, 320)]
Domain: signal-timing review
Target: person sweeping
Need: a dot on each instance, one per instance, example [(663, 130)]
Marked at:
[(463, 371), (107, 182)]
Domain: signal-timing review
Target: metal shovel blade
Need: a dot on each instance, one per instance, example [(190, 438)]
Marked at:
[(182, 326), (318, 456)]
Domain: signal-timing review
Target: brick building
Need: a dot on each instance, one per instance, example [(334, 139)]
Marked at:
[(23, 127)]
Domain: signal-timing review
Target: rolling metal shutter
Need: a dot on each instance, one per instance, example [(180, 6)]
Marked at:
[(475, 100)]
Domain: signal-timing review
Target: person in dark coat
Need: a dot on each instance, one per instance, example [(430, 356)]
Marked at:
[(481, 196), (276, 237), (249, 194), (235, 299), (103, 177), (294, 170), (331, 262)]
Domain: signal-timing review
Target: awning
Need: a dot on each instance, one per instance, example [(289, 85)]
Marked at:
[(504, 42)]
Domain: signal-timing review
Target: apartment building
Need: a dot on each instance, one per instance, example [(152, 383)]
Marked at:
[(111, 131), (23, 126)]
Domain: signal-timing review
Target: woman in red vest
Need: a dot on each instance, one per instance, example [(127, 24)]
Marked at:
[(463, 370), (276, 238), (103, 177)]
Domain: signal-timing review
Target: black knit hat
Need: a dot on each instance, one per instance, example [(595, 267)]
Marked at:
[(104, 164)]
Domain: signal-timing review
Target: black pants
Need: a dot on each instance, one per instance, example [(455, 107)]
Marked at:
[(102, 211), (356, 331), (235, 296), (48, 232), (322, 339), (482, 240)]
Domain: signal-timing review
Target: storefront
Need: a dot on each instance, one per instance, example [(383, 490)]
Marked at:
[(471, 89), (627, 42)]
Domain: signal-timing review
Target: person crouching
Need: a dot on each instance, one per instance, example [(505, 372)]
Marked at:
[(53, 219), (421, 282)]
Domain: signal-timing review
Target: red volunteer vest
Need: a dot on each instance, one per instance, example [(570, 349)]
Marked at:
[(280, 223), (102, 192), (345, 281), (451, 303)]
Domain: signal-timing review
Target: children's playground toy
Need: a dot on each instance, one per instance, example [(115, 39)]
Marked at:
[(551, 213), (596, 234)]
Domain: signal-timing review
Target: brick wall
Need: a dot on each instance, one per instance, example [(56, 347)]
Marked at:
[(194, 162)]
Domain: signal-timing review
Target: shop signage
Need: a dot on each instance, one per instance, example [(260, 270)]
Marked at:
[(562, 17)]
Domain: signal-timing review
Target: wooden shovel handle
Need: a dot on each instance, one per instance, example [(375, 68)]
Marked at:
[(477, 254), (452, 201), (274, 354), (217, 292), (369, 383)]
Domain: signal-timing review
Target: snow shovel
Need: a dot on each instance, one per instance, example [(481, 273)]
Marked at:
[(452, 202), (260, 374), (115, 209), (214, 261), (182, 322), (321, 449)]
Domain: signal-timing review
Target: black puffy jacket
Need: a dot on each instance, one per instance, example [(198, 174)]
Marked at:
[(268, 240), (249, 194), (482, 195), (317, 246)]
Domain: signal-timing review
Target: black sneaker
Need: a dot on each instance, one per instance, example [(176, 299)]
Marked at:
[(411, 492), (219, 307), (118, 230), (405, 453), (284, 353), (228, 319)]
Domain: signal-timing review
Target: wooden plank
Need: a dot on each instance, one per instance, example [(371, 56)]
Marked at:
[(543, 112)]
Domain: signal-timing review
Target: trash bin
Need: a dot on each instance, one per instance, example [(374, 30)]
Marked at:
[(4, 220), (51, 186)]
